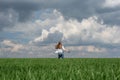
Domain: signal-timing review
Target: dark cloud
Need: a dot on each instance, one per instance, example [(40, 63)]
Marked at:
[(8, 18), (12, 11), (23, 8), (109, 15), (78, 9)]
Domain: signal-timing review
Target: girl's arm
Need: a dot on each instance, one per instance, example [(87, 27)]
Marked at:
[(65, 49)]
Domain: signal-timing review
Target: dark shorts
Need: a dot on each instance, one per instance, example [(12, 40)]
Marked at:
[(60, 55)]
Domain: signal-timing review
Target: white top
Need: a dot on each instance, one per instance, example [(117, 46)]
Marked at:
[(60, 50)]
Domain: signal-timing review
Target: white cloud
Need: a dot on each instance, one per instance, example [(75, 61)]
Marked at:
[(29, 50), (87, 49), (42, 37), (88, 30), (10, 49), (11, 46), (111, 3), (54, 27)]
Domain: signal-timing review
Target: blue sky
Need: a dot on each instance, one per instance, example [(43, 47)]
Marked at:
[(89, 28)]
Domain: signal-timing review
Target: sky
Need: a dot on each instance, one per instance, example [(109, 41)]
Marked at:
[(31, 28)]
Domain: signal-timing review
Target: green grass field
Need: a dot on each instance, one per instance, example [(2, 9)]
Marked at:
[(60, 69)]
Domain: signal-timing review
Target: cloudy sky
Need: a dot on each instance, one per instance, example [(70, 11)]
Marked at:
[(31, 28)]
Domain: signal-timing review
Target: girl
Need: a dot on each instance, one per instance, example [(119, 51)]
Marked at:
[(60, 50)]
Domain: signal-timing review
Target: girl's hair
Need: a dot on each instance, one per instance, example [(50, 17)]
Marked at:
[(59, 45)]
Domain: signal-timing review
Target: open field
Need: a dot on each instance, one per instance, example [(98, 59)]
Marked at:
[(60, 69)]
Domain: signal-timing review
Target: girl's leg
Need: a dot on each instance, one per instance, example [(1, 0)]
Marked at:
[(58, 56), (62, 56)]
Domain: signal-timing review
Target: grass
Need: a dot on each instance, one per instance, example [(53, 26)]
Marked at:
[(60, 69)]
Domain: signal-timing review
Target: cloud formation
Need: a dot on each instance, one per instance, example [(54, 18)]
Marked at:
[(111, 3), (88, 31), (12, 47), (9, 48), (52, 27), (88, 28), (12, 11)]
